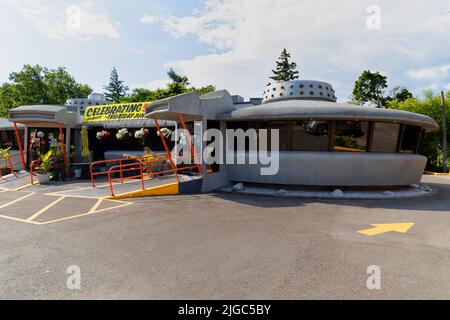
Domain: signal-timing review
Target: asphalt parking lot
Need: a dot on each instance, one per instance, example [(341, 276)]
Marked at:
[(223, 246)]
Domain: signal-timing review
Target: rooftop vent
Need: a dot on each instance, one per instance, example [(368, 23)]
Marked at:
[(295, 89)]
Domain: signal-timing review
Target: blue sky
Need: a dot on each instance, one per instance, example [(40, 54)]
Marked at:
[(230, 43)]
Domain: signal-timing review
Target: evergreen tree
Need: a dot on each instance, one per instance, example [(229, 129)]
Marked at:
[(286, 70), (178, 79), (116, 90)]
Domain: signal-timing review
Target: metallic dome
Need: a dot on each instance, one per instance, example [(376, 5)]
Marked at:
[(299, 90)]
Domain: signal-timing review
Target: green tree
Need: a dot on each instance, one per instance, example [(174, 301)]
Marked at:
[(430, 105), (285, 70), (204, 90), (176, 78), (116, 90), (400, 94), (39, 85), (370, 87), (178, 85)]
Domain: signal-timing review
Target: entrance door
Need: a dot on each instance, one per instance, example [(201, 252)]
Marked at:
[(42, 140)]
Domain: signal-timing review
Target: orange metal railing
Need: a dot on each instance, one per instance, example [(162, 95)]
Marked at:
[(9, 164), (32, 165), (120, 162), (146, 169)]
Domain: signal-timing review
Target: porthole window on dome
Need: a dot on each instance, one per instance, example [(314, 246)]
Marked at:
[(311, 93)]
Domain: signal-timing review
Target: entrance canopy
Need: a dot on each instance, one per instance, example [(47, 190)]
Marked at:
[(6, 125), (40, 115), (190, 106)]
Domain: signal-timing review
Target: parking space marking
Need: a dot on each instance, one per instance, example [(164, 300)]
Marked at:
[(124, 204), (17, 200), (93, 210), (37, 214), (23, 187), (18, 220), (96, 205)]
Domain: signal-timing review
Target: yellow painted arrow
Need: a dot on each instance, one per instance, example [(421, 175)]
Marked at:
[(384, 228)]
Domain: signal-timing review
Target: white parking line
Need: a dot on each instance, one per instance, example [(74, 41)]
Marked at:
[(95, 207), (17, 200), (37, 214)]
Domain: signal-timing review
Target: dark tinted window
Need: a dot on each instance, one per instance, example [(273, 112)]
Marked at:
[(8, 139), (410, 139), (310, 136), (282, 128), (351, 136), (385, 137)]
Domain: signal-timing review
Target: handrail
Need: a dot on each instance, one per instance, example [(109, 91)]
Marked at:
[(10, 165), (32, 164), (139, 165), (119, 160)]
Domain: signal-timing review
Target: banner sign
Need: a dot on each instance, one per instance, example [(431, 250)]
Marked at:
[(115, 112)]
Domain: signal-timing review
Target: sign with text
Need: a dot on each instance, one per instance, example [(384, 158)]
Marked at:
[(115, 112)]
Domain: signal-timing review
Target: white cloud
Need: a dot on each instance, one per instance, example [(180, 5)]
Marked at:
[(149, 19), (61, 19), (328, 41), (152, 85), (430, 73)]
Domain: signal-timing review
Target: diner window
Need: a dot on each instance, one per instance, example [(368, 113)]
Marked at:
[(310, 136), (282, 127), (351, 136), (385, 137), (8, 139), (236, 125), (410, 139)]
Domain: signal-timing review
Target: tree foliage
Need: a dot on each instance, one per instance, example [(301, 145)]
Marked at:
[(176, 78), (39, 85), (370, 87), (116, 90), (430, 105), (285, 70), (400, 94), (178, 85)]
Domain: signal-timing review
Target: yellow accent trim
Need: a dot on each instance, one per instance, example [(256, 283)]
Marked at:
[(347, 149), (437, 173), (164, 190)]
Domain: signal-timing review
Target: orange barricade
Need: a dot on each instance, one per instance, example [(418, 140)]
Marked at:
[(10, 162), (143, 167)]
